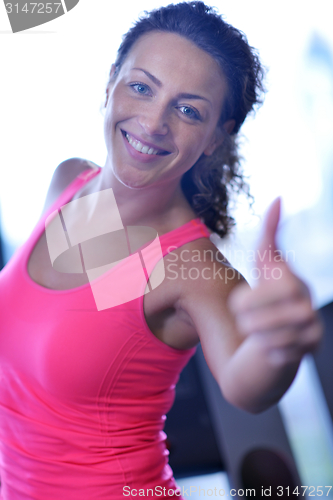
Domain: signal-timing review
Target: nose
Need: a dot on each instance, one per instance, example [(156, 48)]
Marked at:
[(153, 120)]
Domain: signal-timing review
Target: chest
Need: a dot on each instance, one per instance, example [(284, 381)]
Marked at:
[(75, 352), (168, 323)]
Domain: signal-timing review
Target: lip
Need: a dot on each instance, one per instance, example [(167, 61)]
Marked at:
[(139, 157), (145, 143)]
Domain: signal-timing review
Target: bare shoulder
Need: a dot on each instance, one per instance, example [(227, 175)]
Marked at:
[(200, 268), (206, 279), (63, 175), (197, 284)]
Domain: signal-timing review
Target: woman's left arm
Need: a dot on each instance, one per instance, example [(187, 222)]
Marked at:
[(254, 339)]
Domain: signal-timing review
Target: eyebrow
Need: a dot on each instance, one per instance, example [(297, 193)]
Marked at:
[(159, 84), (153, 78)]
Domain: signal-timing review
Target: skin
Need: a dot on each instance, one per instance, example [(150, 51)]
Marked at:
[(253, 340)]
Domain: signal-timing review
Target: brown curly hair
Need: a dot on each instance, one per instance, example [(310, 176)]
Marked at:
[(206, 185)]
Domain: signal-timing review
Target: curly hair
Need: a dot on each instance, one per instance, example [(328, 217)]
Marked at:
[(207, 184)]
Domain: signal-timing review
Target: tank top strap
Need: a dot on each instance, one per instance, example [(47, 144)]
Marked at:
[(73, 187), (192, 230), (62, 199)]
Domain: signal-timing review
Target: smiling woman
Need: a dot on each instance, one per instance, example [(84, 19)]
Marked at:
[(86, 382), (205, 184)]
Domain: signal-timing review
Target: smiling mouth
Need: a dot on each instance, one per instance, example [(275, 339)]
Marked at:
[(142, 148)]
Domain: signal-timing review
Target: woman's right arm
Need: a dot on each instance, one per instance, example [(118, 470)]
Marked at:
[(63, 175)]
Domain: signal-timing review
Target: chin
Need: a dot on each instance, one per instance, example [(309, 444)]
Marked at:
[(133, 179)]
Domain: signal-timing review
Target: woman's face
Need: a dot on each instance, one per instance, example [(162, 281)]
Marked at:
[(162, 111)]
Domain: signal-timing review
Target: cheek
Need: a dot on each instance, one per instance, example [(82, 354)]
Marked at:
[(116, 110), (121, 104), (107, 129), (194, 143)]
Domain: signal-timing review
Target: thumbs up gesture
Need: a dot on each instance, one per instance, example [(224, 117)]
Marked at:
[(277, 312)]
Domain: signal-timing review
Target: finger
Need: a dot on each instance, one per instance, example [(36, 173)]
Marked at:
[(271, 222), (294, 314), (268, 257), (292, 340), (243, 299)]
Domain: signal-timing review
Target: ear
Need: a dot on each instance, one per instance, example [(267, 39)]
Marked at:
[(112, 71), (229, 125), (111, 75), (219, 136)]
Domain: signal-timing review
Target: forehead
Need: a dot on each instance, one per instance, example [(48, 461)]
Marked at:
[(173, 58)]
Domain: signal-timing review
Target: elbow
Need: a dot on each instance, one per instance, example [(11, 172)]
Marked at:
[(247, 406), (243, 401), (250, 407)]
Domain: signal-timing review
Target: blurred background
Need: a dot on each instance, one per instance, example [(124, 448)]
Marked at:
[(52, 90)]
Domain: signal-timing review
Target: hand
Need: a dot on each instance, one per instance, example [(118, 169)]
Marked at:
[(278, 311)]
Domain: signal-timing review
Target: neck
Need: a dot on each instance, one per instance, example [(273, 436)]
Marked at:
[(161, 204)]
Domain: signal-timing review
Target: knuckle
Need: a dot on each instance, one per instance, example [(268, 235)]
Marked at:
[(307, 312), (305, 290), (318, 333), (312, 336), (297, 288), (301, 312), (294, 287)]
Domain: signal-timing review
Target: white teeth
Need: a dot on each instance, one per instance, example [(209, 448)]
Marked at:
[(140, 147)]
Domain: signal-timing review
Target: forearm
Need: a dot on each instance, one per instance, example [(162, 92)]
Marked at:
[(253, 380)]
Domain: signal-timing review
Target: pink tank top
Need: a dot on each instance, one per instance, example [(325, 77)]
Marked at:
[(83, 393)]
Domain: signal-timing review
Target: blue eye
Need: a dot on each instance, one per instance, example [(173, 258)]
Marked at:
[(190, 112), (140, 88)]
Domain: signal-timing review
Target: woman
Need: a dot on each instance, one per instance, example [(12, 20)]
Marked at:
[(85, 386)]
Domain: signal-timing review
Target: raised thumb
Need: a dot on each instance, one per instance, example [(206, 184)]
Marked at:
[(267, 251)]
